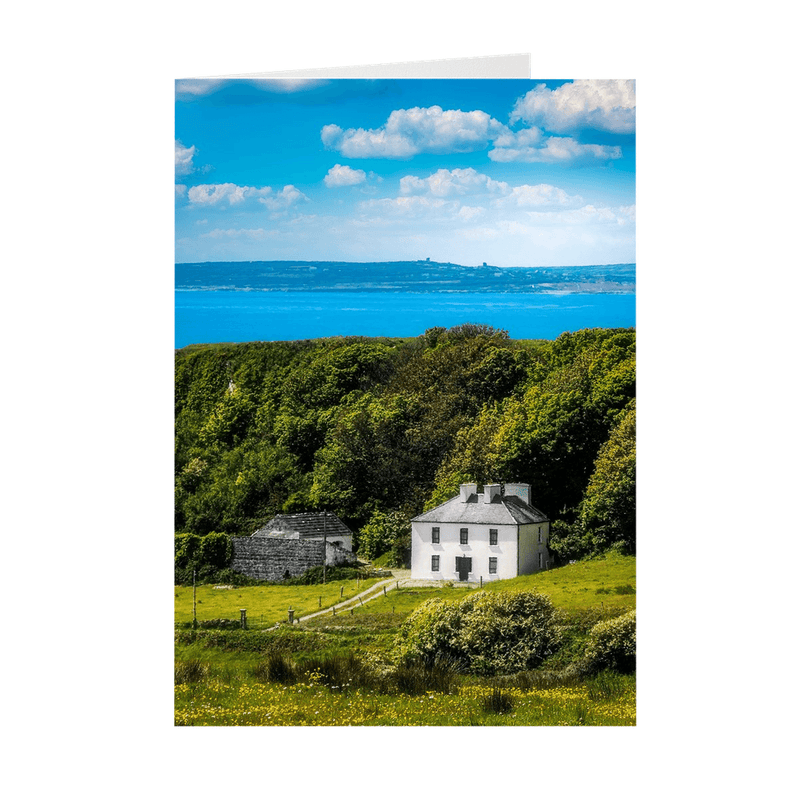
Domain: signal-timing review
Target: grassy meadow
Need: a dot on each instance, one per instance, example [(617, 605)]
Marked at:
[(339, 670), (266, 605)]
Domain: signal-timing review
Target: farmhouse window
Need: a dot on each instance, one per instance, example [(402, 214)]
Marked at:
[(434, 563), (540, 561), (492, 535), (540, 534), (435, 535), (464, 535), (493, 566)]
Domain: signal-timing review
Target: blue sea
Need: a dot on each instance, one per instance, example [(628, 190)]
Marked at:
[(222, 315)]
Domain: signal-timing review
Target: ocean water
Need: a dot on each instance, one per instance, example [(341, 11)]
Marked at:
[(208, 316)]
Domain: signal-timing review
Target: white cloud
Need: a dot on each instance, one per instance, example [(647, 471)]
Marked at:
[(586, 215), (467, 213), (527, 137), (446, 183), (198, 87), (214, 193), (188, 88), (234, 233), (288, 196), (556, 150), (180, 189), (410, 131), (339, 175), (606, 105), (543, 194), (183, 159), (470, 182), (410, 206), (218, 193)]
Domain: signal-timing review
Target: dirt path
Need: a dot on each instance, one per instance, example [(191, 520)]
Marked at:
[(399, 578)]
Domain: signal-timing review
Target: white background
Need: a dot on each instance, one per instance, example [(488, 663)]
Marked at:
[(88, 399)]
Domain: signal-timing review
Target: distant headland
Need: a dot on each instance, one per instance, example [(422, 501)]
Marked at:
[(402, 276)]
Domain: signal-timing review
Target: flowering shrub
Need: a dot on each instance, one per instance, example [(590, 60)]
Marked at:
[(612, 644), (485, 633)]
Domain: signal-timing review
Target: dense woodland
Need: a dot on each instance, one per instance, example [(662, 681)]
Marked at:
[(376, 430)]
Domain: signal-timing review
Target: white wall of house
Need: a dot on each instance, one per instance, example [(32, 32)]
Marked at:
[(477, 548), (533, 541)]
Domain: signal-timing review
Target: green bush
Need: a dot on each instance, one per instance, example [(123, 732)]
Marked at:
[(485, 633), (612, 644), (216, 550), (207, 556), (187, 548)]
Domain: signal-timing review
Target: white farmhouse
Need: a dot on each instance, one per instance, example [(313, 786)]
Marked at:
[(490, 536)]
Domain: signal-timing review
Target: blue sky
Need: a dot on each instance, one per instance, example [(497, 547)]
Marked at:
[(511, 172)]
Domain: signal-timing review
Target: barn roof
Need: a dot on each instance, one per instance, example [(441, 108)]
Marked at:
[(503, 510), (312, 523)]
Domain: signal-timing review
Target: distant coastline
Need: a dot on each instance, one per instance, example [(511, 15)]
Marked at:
[(403, 277)]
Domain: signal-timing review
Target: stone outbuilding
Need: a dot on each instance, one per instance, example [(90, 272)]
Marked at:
[(310, 526), (493, 535), (290, 544)]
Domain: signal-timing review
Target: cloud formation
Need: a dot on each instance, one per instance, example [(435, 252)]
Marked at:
[(183, 159), (410, 131), (470, 182), (222, 193), (188, 88), (551, 150), (446, 183), (605, 105), (288, 196), (236, 233), (339, 175)]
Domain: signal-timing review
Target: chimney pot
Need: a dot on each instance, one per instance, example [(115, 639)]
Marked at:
[(467, 489), (521, 490), (490, 491)]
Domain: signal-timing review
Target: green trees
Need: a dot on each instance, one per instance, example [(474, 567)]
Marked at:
[(377, 426), (204, 554), (385, 532), (608, 510)]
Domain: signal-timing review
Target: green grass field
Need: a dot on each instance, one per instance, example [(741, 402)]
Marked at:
[(228, 693), (220, 703), (266, 605), (603, 583)]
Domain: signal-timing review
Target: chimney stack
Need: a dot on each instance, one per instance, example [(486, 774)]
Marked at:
[(490, 491), (521, 490), (467, 489)]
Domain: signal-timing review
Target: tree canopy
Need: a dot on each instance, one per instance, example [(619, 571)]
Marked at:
[(377, 429)]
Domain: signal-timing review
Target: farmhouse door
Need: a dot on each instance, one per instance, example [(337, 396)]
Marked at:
[(463, 567)]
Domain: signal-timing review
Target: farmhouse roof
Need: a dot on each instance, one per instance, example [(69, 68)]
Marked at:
[(313, 523), (502, 510)]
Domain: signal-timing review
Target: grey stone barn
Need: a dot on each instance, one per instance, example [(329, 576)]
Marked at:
[(310, 526), (289, 544)]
